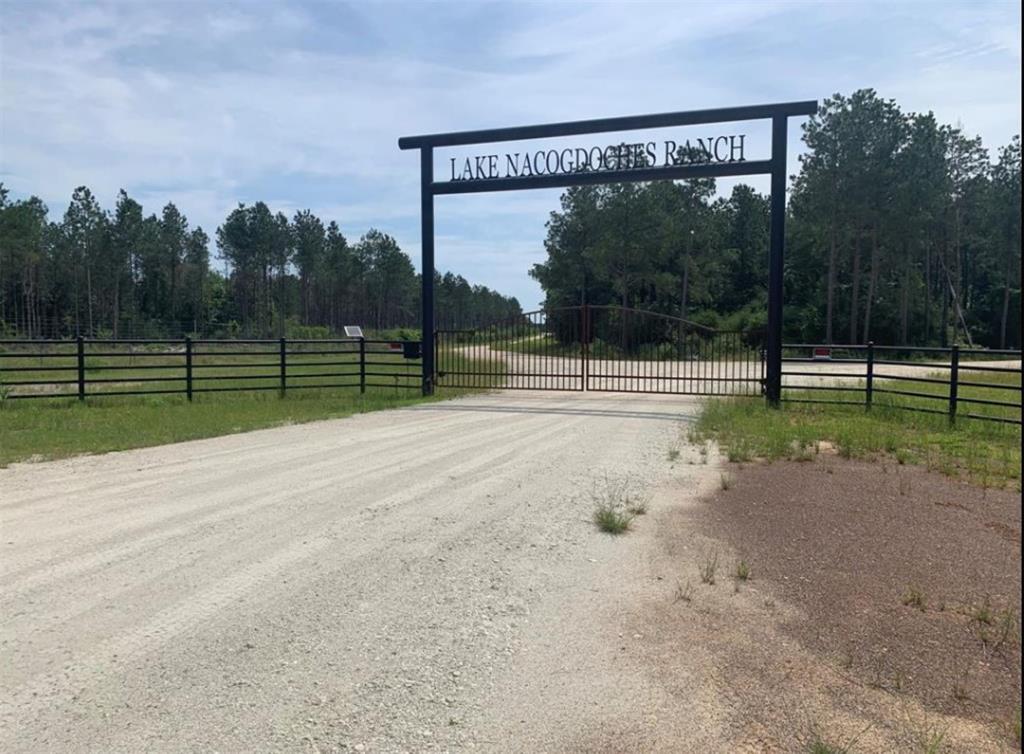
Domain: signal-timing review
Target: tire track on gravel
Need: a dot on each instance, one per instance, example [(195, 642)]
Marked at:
[(95, 491), (71, 544), (101, 555), (129, 645)]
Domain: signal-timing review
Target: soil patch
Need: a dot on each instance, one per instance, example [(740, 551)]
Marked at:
[(906, 581)]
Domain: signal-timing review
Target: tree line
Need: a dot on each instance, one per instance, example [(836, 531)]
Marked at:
[(126, 274), (900, 230)]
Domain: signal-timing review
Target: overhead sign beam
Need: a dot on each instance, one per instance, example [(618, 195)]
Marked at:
[(606, 125), (716, 156)]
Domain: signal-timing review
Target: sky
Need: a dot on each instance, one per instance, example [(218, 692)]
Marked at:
[(301, 104)]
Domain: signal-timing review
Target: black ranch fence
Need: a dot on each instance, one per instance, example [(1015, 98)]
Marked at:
[(82, 367), (955, 382)]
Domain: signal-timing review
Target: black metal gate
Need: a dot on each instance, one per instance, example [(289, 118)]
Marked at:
[(601, 349), (541, 350)]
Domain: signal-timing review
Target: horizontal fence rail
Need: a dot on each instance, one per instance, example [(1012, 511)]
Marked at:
[(955, 382), (93, 367)]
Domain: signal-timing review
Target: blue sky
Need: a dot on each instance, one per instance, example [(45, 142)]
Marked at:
[(301, 104)]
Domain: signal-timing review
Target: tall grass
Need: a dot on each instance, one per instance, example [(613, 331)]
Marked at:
[(983, 452)]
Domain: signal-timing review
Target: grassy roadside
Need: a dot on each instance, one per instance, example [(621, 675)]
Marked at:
[(45, 429), (981, 452)]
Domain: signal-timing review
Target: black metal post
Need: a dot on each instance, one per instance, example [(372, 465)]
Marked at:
[(775, 261), (427, 265), (188, 367), (283, 385), (81, 368), (870, 382), (954, 378), (362, 365)]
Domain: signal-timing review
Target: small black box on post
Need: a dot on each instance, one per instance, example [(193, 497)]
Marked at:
[(412, 349)]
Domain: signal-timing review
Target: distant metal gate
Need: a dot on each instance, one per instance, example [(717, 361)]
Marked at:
[(601, 349)]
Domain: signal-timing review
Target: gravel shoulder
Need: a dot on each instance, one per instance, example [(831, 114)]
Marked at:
[(892, 596)]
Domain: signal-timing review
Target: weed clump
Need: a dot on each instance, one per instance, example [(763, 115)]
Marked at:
[(684, 593), (612, 519), (914, 597), (617, 506), (709, 569)]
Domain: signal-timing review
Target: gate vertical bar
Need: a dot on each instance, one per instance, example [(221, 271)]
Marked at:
[(584, 345), (427, 265), (775, 261)]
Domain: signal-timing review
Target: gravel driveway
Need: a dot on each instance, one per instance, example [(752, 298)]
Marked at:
[(419, 579)]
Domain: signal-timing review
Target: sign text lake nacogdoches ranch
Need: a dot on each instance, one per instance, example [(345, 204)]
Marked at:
[(715, 149)]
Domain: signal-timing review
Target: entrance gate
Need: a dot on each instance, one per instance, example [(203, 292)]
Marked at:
[(601, 349), (717, 155)]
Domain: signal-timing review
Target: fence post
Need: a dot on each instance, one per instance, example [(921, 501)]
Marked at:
[(870, 386), (188, 367), (954, 377), (81, 367), (283, 386), (362, 365)]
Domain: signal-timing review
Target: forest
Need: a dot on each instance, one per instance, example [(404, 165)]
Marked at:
[(900, 230), (125, 274)]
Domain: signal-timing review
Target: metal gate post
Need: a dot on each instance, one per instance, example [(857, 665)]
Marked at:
[(775, 261), (427, 265)]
